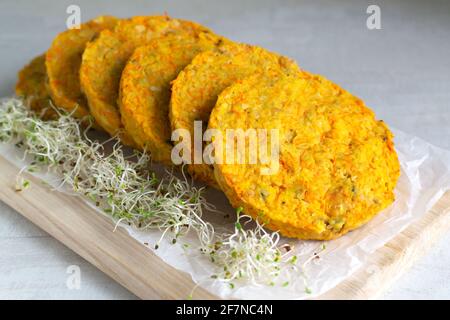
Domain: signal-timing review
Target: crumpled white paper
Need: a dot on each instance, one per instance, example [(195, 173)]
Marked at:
[(425, 177)]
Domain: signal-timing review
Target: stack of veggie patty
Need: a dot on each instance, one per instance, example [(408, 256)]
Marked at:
[(142, 78)]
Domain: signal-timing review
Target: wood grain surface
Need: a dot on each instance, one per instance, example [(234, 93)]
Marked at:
[(90, 234)]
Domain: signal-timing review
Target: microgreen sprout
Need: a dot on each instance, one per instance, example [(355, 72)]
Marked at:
[(248, 253), (127, 190), (21, 183)]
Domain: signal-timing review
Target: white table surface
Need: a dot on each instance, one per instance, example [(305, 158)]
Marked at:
[(402, 71)]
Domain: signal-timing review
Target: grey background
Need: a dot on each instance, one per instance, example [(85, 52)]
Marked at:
[(402, 72)]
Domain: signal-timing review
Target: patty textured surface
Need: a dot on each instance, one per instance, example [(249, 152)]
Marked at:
[(337, 163), (104, 60), (63, 60), (145, 88), (31, 87), (195, 90)]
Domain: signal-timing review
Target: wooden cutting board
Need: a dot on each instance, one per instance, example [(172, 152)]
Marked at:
[(90, 234)]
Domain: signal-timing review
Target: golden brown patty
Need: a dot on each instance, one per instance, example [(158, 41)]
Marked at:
[(31, 86), (63, 61), (105, 58), (195, 90), (145, 88), (337, 163)]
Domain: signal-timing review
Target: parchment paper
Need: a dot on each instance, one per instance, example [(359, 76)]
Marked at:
[(425, 177)]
